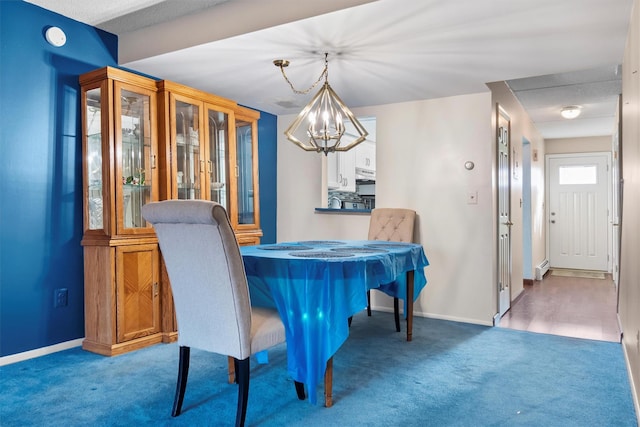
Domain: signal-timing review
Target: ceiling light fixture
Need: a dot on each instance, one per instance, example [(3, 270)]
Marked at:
[(320, 125), (571, 111)]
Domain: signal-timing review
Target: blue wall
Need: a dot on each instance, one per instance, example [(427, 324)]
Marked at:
[(40, 173), (267, 164), (41, 179)]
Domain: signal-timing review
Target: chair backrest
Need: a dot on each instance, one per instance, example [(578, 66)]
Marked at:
[(392, 224), (206, 271)]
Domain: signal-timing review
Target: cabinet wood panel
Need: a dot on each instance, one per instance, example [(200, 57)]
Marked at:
[(138, 292)]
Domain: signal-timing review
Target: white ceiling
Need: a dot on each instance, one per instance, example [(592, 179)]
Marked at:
[(596, 91), (380, 52)]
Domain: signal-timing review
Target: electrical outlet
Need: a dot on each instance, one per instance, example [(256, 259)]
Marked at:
[(60, 297)]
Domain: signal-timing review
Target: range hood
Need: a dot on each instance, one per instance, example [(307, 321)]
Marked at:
[(365, 174)]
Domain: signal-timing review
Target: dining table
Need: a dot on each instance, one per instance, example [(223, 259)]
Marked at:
[(318, 285)]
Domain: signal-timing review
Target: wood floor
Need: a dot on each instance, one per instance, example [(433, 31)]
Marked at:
[(567, 306)]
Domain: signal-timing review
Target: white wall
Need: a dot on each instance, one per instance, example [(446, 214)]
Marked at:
[(421, 150), (629, 310)]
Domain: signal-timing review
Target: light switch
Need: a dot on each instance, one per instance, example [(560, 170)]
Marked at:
[(472, 198)]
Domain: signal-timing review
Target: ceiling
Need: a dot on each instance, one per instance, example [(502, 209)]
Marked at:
[(551, 53)]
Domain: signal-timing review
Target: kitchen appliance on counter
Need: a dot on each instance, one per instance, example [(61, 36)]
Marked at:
[(335, 202), (366, 191), (369, 202)]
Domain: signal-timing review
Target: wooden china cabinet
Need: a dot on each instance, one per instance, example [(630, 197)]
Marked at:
[(121, 257), (146, 140)]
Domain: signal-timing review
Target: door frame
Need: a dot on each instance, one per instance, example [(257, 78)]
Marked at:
[(547, 180)]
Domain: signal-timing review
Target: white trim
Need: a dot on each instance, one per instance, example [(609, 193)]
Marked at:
[(43, 351), (434, 316)]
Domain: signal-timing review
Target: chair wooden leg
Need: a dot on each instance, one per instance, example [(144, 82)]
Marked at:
[(183, 373), (242, 377), (328, 384), (396, 314), (231, 369), (300, 390), (369, 303)]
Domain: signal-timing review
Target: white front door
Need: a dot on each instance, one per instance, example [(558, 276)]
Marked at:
[(579, 211)]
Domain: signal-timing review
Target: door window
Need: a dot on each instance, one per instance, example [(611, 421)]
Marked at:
[(578, 175)]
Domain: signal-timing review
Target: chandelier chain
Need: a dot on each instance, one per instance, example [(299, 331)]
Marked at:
[(325, 74)]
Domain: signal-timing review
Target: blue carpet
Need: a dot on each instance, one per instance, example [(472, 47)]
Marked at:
[(452, 374)]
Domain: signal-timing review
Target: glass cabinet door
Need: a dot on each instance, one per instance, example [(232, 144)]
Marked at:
[(217, 174), (188, 155), (133, 124), (93, 160), (245, 171)]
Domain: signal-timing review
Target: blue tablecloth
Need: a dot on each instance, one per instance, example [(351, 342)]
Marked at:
[(317, 285)]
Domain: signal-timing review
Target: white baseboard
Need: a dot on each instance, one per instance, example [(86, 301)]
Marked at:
[(437, 316), (456, 319), (19, 357)]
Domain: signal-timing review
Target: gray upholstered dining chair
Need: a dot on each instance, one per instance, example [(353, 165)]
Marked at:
[(210, 291), (394, 225)]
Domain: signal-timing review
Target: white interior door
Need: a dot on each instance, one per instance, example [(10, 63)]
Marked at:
[(504, 213), (579, 211)]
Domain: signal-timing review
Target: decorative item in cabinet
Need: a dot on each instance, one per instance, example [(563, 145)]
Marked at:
[(121, 259)]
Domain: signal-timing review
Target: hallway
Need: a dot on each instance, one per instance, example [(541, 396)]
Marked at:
[(567, 306)]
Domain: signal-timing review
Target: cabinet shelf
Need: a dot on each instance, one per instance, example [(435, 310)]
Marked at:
[(136, 186)]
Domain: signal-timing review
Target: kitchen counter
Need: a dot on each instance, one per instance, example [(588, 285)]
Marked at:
[(343, 211)]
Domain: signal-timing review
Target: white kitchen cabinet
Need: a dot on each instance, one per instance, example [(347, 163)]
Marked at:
[(365, 159), (341, 171), (343, 167)]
